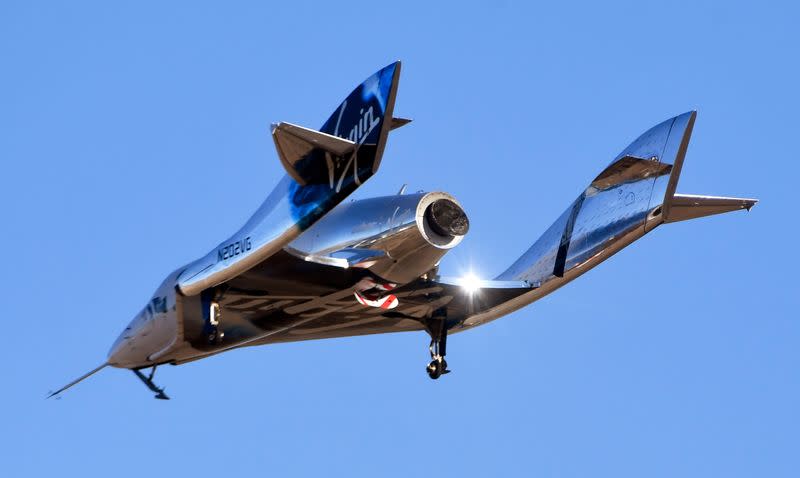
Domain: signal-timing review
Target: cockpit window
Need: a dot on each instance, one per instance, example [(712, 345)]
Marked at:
[(160, 305)]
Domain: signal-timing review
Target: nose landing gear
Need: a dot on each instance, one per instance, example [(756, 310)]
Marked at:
[(148, 380)]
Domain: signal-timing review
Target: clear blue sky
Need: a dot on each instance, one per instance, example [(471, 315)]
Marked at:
[(134, 137)]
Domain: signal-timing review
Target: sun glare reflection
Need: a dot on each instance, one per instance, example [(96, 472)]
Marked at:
[(470, 283)]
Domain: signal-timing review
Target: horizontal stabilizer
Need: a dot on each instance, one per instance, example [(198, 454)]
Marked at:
[(689, 206), (398, 123), (295, 143)]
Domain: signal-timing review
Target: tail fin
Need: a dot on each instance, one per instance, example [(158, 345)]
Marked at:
[(352, 140), (365, 116), (629, 198)]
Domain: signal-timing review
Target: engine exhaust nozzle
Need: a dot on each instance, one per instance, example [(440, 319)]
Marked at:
[(446, 218)]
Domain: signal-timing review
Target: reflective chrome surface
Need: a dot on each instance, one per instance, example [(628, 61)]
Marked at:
[(621, 204), (323, 181), (601, 216), (396, 225)]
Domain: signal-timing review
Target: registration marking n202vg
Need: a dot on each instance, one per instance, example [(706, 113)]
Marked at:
[(234, 249)]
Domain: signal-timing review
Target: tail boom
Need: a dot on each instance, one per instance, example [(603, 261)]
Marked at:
[(632, 196)]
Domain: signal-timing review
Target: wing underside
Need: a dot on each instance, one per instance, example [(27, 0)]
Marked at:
[(263, 304)]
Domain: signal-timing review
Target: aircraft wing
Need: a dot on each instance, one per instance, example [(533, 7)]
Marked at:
[(323, 168)]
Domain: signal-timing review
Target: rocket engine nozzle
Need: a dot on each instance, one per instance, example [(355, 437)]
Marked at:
[(447, 218)]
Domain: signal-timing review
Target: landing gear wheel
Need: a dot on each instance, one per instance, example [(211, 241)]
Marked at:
[(438, 348), (435, 369)]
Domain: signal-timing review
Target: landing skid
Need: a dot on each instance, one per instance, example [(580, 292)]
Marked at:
[(148, 380)]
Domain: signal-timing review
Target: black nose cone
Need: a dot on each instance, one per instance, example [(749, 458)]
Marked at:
[(447, 218)]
